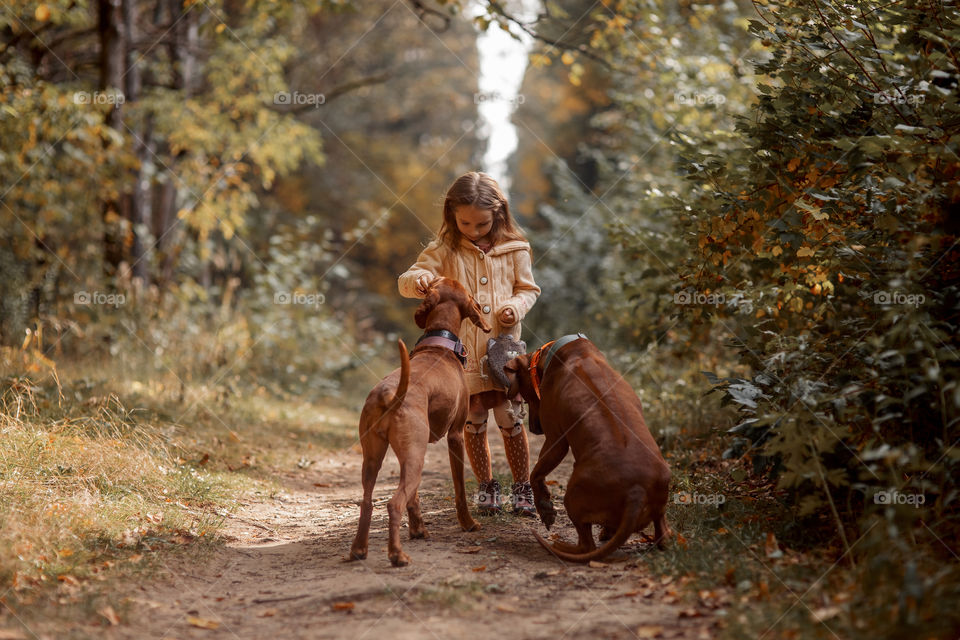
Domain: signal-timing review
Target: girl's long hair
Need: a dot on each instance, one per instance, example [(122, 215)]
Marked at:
[(481, 191)]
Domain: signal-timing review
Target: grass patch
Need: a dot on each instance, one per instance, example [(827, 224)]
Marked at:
[(745, 555), (102, 471)]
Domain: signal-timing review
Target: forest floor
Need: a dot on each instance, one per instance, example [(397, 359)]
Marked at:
[(282, 572)]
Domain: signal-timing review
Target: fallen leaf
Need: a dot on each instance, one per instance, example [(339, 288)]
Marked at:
[(824, 613), (137, 557), (479, 569), (507, 608), (71, 580), (322, 484), (267, 613), (202, 623), (649, 631), (343, 606), (689, 613), (12, 634), (111, 615), (598, 565), (470, 550)]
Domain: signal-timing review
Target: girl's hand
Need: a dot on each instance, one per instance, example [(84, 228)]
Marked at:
[(423, 283), (507, 318)]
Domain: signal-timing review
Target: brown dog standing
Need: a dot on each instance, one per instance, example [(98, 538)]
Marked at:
[(423, 400), (620, 480)]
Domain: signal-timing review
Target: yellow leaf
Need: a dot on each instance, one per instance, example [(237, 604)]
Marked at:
[(111, 615), (202, 623), (42, 13), (567, 58), (777, 251), (805, 252), (540, 60)]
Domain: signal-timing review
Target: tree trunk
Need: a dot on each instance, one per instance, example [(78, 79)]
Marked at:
[(137, 199), (112, 47)]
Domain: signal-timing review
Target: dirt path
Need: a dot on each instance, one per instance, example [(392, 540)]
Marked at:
[(283, 574)]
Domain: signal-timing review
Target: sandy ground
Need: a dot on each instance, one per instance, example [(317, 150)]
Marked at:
[(283, 574)]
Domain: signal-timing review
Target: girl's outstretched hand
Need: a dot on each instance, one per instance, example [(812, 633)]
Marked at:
[(507, 318), (423, 283)]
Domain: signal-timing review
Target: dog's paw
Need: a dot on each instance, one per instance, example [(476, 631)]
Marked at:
[(399, 559), (473, 525), (547, 513), (358, 554)]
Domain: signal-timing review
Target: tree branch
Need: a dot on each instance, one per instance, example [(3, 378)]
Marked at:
[(584, 50)]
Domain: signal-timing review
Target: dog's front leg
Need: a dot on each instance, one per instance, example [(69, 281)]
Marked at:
[(551, 454), (455, 447)]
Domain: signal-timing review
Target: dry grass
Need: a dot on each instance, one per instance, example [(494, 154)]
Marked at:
[(102, 470)]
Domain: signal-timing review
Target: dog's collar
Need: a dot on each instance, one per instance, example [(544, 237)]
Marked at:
[(545, 354), (444, 338)]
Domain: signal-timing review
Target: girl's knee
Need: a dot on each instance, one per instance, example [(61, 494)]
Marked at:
[(476, 426), (511, 430)]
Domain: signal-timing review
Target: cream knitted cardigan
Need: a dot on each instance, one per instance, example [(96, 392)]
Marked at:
[(500, 279)]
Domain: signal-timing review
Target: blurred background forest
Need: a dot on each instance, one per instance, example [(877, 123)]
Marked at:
[(223, 193)]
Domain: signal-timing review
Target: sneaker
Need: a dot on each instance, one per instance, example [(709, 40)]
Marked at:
[(488, 496), (522, 499)]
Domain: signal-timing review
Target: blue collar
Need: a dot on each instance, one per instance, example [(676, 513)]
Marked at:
[(559, 342)]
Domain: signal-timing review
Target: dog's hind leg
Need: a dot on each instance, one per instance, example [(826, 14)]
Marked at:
[(374, 449), (417, 528), (411, 468)]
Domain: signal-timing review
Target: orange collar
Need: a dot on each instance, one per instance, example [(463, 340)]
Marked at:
[(534, 363)]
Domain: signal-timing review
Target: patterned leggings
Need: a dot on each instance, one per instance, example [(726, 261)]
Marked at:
[(514, 441)]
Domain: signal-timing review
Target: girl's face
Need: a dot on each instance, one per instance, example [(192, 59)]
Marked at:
[(475, 224)]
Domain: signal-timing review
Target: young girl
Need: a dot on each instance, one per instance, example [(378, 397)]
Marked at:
[(479, 245)]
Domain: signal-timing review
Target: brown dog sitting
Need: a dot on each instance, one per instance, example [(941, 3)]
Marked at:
[(620, 480), (423, 400)]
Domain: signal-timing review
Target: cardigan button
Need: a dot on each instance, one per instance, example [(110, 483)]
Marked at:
[(486, 308), (483, 279)]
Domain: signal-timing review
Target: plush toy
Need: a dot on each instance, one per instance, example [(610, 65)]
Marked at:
[(500, 351)]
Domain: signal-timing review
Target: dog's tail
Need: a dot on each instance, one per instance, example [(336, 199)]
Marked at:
[(401, 392), (636, 503)]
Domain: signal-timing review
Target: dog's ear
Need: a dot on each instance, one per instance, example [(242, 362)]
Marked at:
[(517, 373), (429, 302), (534, 423), (470, 310)]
